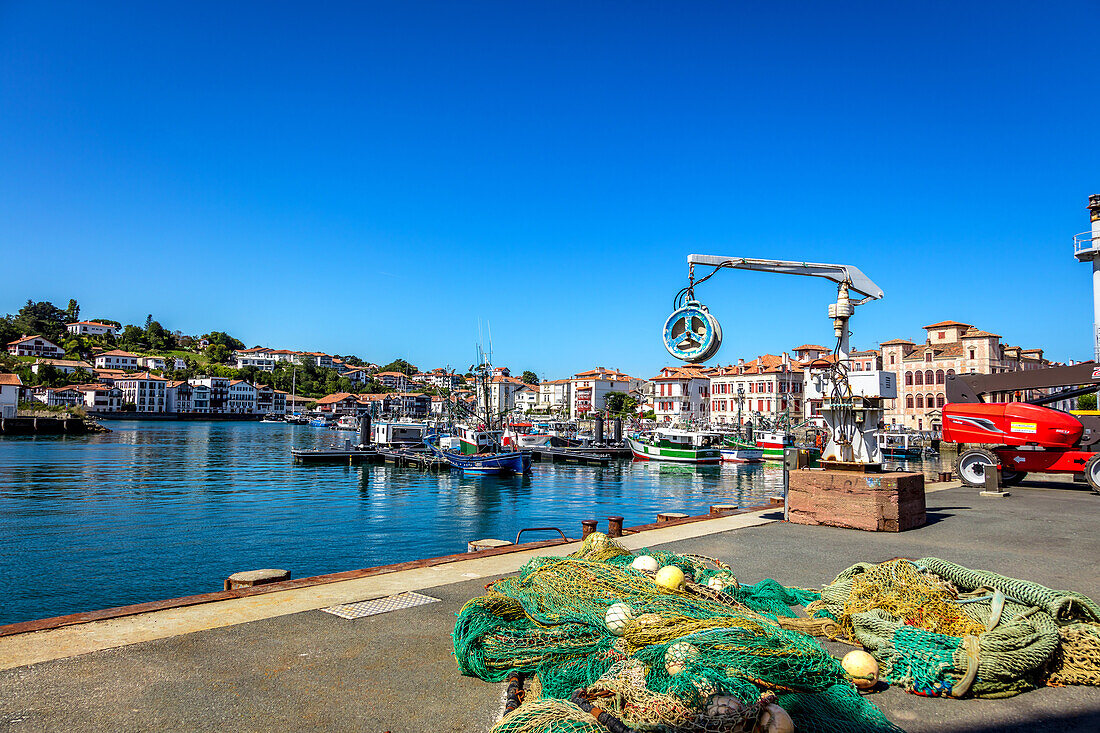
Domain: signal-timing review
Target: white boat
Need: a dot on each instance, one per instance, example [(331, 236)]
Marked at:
[(347, 422), (395, 434), (736, 451)]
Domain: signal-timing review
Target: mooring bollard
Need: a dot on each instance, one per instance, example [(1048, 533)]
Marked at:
[(721, 510), (588, 526), (487, 544), (669, 516), (614, 526), (250, 578)]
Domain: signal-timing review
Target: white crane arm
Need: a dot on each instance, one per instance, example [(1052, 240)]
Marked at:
[(849, 274)]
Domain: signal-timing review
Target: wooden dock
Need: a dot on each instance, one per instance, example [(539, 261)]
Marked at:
[(404, 458)]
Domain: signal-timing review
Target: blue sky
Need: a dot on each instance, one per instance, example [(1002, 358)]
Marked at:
[(376, 179)]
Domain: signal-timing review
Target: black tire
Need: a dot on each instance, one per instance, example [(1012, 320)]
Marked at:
[(971, 464), (1092, 472), (1011, 478)]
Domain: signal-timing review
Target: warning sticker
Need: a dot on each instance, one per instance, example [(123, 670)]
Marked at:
[(1023, 427)]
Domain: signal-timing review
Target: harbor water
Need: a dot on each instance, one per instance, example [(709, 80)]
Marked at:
[(156, 510)]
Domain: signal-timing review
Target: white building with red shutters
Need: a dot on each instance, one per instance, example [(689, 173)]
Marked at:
[(769, 386), (589, 389), (681, 394), (35, 346)]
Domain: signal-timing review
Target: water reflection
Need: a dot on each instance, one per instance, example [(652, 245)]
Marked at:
[(156, 510)]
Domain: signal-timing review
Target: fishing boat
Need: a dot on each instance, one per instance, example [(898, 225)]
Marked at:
[(735, 450), (772, 443), (482, 442), (321, 421), (498, 464), (271, 417), (678, 446), (347, 422), (898, 444)]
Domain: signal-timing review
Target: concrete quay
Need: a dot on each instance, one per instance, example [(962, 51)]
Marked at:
[(271, 661)]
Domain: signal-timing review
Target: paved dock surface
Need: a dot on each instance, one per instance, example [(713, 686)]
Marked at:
[(394, 672)]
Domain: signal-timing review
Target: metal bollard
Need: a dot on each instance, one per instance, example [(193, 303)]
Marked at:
[(588, 526), (614, 526)]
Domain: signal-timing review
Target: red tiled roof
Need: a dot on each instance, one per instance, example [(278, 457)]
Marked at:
[(974, 333), (28, 338), (811, 347), (115, 352), (947, 324), (91, 323), (11, 379), (892, 342), (336, 397)]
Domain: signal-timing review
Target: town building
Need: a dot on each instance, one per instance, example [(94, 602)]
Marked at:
[(100, 397), (242, 397), (502, 393), (298, 403), (440, 378), (35, 346), (261, 358), (154, 362), (66, 366), (270, 400), (117, 359), (589, 389), (145, 391), (766, 388), (393, 380), (554, 395), (950, 347), (526, 398), (178, 397), (200, 397), (92, 328), (10, 387), (408, 404), (342, 403), (217, 392), (681, 394), (58, 396)]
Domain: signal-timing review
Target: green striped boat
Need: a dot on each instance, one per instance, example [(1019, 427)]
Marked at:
[(678, 446)]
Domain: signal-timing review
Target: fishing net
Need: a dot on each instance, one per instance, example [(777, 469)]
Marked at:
[(940, 629), (717, 656), (710, 656)]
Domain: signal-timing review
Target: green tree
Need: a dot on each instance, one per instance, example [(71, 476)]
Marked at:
[(400, 365), (133, 338), (1086, 402), (73, 311), (217, 353), (620, 403), (529, 377), (42, 318), (224, 339)]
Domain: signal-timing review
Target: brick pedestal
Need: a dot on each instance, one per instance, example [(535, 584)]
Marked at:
[(885, 502)]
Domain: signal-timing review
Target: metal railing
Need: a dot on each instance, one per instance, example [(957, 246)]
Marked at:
[(1085, 240)]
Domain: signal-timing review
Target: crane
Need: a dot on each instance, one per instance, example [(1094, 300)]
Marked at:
[(851, 404)]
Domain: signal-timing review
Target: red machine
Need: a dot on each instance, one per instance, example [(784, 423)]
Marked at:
[(1024, 437)]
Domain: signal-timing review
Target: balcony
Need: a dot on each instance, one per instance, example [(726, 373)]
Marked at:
[(1086, 246)]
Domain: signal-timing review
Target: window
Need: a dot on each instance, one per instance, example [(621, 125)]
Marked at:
[(930, 402), (928, 357), (928, 377), (909, 379), (920, 401), (909, 402), (939, 400), (941, 334), (918, 378), (939, 376), (972, 353), (891, 359)]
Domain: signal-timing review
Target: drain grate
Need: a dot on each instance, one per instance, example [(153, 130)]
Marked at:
[(376, 606)]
